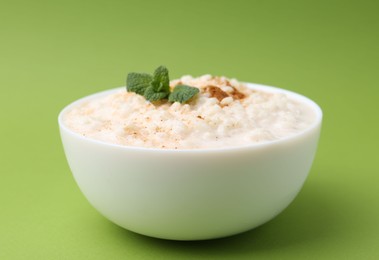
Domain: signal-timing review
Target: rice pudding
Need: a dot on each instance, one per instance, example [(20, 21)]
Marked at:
[(225, 113)]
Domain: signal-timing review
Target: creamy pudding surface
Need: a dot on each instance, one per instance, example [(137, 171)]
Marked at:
[(225, 113)]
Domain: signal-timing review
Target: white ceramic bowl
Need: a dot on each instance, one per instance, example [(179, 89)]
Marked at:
[(192, 194)]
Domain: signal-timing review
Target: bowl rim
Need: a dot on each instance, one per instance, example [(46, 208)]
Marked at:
[(292, 95)]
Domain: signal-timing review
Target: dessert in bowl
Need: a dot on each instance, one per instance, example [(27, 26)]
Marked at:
[(227, 160)]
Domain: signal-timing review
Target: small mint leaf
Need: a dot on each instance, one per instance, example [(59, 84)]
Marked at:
[(138, 82), (182, 93), (161, 81), (151, 95)]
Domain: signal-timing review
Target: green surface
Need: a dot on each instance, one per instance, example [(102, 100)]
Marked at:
[(53, 52)]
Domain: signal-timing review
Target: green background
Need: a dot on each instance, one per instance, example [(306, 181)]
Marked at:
[(53, 52)]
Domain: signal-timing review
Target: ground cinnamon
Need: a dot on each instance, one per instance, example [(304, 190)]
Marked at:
[(217, 92)]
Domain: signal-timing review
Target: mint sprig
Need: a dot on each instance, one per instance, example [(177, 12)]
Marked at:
[(157, 87)]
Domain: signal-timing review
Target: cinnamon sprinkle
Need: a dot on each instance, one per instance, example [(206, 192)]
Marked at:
[(236, 94), (217, 92)]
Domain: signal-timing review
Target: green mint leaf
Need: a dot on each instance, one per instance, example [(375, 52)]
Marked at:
[(157, 87), (152, 95), (138, 82), (161, 81), (182, 93)]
